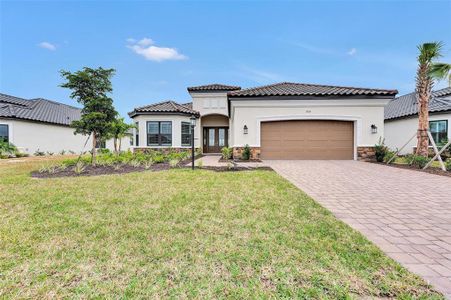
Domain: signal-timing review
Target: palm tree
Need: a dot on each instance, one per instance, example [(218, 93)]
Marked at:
[(429, 52), (119, 129)]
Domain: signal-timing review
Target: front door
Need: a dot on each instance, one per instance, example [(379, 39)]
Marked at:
[(215, 138)]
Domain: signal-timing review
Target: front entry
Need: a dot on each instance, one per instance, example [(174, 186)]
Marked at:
[(215, 138)]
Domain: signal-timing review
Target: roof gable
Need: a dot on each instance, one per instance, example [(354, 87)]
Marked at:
[(165, 107)]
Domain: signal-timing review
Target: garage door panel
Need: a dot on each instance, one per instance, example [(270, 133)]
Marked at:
[(307, 139)]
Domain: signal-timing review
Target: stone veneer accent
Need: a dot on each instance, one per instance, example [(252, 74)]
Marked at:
[(366, 153), (165, 150), (255, 152)]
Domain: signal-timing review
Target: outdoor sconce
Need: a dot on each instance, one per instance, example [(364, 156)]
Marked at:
[(373, 129), (245, 129)]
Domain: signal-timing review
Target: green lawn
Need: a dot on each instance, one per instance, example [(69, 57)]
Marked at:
[(182, 234)]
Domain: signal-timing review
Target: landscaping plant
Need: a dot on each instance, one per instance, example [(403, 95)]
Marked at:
[(246, 154), (418, 161), (428, 70), (226, 153), (381, 150), (448, 164), (90, 87)]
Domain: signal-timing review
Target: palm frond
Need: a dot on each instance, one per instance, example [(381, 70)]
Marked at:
[(430, 51), (441, 71)]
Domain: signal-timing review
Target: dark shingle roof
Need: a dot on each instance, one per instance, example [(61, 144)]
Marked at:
[(406, 105), (41, 110), (303, 89), (214, 87), (169, 107)]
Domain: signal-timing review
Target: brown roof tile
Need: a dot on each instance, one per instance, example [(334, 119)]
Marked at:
[(304, 89), (214, 87), (169, 107)]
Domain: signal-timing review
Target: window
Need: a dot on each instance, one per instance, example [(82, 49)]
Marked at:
[(159, 133), (186, 134), (221, 137), (137, 134), (439, 130), (4, 133)]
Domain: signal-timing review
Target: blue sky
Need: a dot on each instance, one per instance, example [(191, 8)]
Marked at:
[(160, 48)]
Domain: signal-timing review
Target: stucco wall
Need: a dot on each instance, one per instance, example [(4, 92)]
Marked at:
[(398, 132), (31, 136), (364, 113), (176, 129), (210, 103)]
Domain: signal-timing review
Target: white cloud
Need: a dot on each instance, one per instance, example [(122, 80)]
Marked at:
[(352, 52), (131, 40), (259, 76), (146, 48), (315, 49), (47, 45)]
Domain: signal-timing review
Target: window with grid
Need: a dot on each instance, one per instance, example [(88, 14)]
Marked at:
[(186, 134), (159, 133), (4, 133), (439, 130)]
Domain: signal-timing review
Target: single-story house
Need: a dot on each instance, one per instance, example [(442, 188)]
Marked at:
[(278, 121), (401, 119), (43, 125)]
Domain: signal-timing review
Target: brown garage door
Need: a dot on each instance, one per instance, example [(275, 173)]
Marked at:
[(312, 139)]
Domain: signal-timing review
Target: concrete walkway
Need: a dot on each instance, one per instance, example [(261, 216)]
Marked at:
[(406, 213)]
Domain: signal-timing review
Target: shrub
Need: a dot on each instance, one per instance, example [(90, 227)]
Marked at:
[(226, 152), (418, 161), (50, 153), (389, 155), (148, 164), (381, 150), (246, 155), (7, 149), (39, 153), (79, 167), (135, 163), (62, 152), (448, 164), (174, 162), (20, 154), (159, 158)]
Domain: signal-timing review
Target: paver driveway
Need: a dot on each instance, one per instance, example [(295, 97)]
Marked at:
[(406, 213)]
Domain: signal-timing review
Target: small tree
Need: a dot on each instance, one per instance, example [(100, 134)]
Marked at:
[(119, 129), (424, 83), (90, 87)]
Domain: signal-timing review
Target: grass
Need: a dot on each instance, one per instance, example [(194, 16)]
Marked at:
[(183, 234)]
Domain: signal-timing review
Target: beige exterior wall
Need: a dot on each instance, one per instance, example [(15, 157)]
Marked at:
[(30, 136), (363, 112), (176, 129), (398, 132), (210, 103)]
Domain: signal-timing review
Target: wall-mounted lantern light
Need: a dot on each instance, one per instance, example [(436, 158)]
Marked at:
[(245, 129), (373, 129)]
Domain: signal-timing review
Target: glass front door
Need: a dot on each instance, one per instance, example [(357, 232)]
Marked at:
[(215, 138)]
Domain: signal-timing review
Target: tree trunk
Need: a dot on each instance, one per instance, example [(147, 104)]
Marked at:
[(423, 93), (115, 145), (94, 142), (423, 127), (120, 145)]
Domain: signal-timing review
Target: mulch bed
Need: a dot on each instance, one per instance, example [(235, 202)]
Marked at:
[(108, 170), (430, 170)]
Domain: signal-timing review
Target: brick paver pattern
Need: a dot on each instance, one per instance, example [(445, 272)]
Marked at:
[(405, 213)]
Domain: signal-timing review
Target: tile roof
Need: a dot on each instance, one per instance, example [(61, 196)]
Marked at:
[(406, 105), (304, 89), (41, 110), (214, 87), (169, 106)]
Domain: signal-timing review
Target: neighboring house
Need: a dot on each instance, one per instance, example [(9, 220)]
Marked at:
[(401, 119), (278, 121), (44, 125)]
